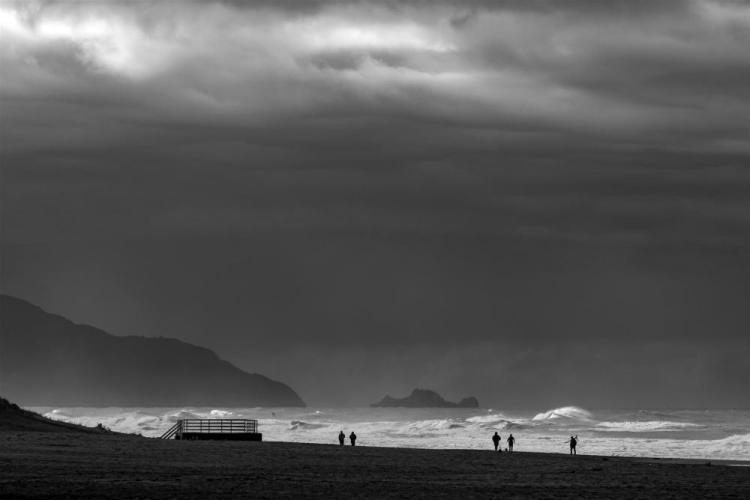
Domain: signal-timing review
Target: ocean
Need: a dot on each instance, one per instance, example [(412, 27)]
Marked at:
[(701, 434)]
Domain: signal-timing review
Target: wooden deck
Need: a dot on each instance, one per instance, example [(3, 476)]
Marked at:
[(219, 429)]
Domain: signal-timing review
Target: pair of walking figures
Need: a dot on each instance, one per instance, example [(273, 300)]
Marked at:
[(496, 441), (342, 437)]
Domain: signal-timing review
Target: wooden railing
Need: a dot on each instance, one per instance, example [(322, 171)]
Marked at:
[(219, 425)]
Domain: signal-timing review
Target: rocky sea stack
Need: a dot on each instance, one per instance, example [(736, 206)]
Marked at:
[(424, 398)]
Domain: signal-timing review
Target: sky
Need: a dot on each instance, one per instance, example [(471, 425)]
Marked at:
[(538, 203)]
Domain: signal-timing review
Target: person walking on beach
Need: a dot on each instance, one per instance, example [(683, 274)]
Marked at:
[(352, 438), (496, 440), (511, 440), (573, 443), (342, 436)]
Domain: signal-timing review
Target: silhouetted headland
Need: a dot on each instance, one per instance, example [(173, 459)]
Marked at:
[(424, 398), (50, 361)]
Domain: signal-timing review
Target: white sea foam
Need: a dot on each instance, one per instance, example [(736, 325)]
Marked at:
[(737, 446), (220, 414), (488, 419)]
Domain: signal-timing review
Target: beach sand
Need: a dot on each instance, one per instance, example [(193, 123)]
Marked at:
[(86, 465)]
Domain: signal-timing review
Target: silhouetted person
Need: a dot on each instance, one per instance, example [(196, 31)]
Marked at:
[(511, 440), (496, 440), (353, 438), (573, 443), (342, 436)]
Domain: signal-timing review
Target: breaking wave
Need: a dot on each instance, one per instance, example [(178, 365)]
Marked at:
[(563, 413), (497, 422), (645, 426), (299, 425), (737, 446)]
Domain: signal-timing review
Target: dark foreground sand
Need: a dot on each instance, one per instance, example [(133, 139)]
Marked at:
[(85, 465)]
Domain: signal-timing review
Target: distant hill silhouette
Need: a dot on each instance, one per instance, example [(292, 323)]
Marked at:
[(46, 360), (423, 398)]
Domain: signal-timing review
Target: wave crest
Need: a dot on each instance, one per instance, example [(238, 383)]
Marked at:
[(564, 413), (645, 426), (300, 425), (735, 445)]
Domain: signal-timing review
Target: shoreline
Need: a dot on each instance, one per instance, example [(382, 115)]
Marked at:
[(697, 436), (646, 459), (86, 465)]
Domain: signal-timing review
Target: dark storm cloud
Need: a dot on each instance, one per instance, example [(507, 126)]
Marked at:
[(358, 174)]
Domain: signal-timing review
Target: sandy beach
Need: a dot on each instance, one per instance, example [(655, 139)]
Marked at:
[(85, 465)]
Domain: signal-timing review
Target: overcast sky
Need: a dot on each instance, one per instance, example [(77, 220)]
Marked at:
[(499, 198)]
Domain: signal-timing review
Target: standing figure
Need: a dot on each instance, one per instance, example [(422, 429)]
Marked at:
[(573, 443), (342, 436), (352, 438), (496, 440), (511, 440)]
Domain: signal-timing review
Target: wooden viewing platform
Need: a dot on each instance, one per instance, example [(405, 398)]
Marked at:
[(233, 429)]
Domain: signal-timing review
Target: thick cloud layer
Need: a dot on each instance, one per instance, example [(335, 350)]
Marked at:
[(362, 178), (671, 74)]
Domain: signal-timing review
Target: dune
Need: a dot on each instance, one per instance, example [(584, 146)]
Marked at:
[(14, 418)]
